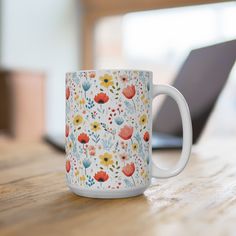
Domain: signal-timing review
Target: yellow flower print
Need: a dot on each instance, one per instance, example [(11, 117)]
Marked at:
[(145, 100), (70, 145), (143, 119), (144, 174), (76, 97), (106, 80), (82, 101), (106, 159), (82, 178), (78, 119), (76, 173), (134, 147), (95, 126)]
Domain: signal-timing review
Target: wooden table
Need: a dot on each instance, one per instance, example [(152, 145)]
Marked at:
[(34, 199)]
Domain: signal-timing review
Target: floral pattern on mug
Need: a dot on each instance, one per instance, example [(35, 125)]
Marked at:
[(107, 129)]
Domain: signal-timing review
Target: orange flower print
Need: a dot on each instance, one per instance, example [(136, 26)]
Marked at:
[(92, 74), (83, 138), (67, 166), (67, 93), (129, 169), (129, 91), (101, 98), (126, 132), (101, 176), (67, 130), (146, 136)]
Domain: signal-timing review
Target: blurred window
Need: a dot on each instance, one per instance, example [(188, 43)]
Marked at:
[(159, 40)]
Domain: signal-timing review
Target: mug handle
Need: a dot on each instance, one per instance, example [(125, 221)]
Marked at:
[(158, 172)]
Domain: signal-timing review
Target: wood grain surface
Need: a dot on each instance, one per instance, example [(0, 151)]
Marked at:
[(34, 199)]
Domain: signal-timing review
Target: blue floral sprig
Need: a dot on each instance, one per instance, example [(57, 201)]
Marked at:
[(86, 163), (76, 78), (107, 144), (96, 138), (140, 144), (130, 108), (86, 86), (119, 120), (116, 146), (90, 103), (90, 181), (74, 150), (128, 183)]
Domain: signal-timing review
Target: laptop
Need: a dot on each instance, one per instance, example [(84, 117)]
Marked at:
[(201, 80)]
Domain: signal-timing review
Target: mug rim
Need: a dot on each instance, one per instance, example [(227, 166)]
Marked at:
[(104, 70)]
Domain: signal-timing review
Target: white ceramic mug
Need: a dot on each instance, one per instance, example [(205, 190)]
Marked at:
[(108, 132)]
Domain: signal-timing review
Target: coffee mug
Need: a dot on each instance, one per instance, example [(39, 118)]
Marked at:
[(109, 129)]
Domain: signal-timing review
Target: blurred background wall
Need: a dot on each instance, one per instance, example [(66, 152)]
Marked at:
[(42, 36)]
